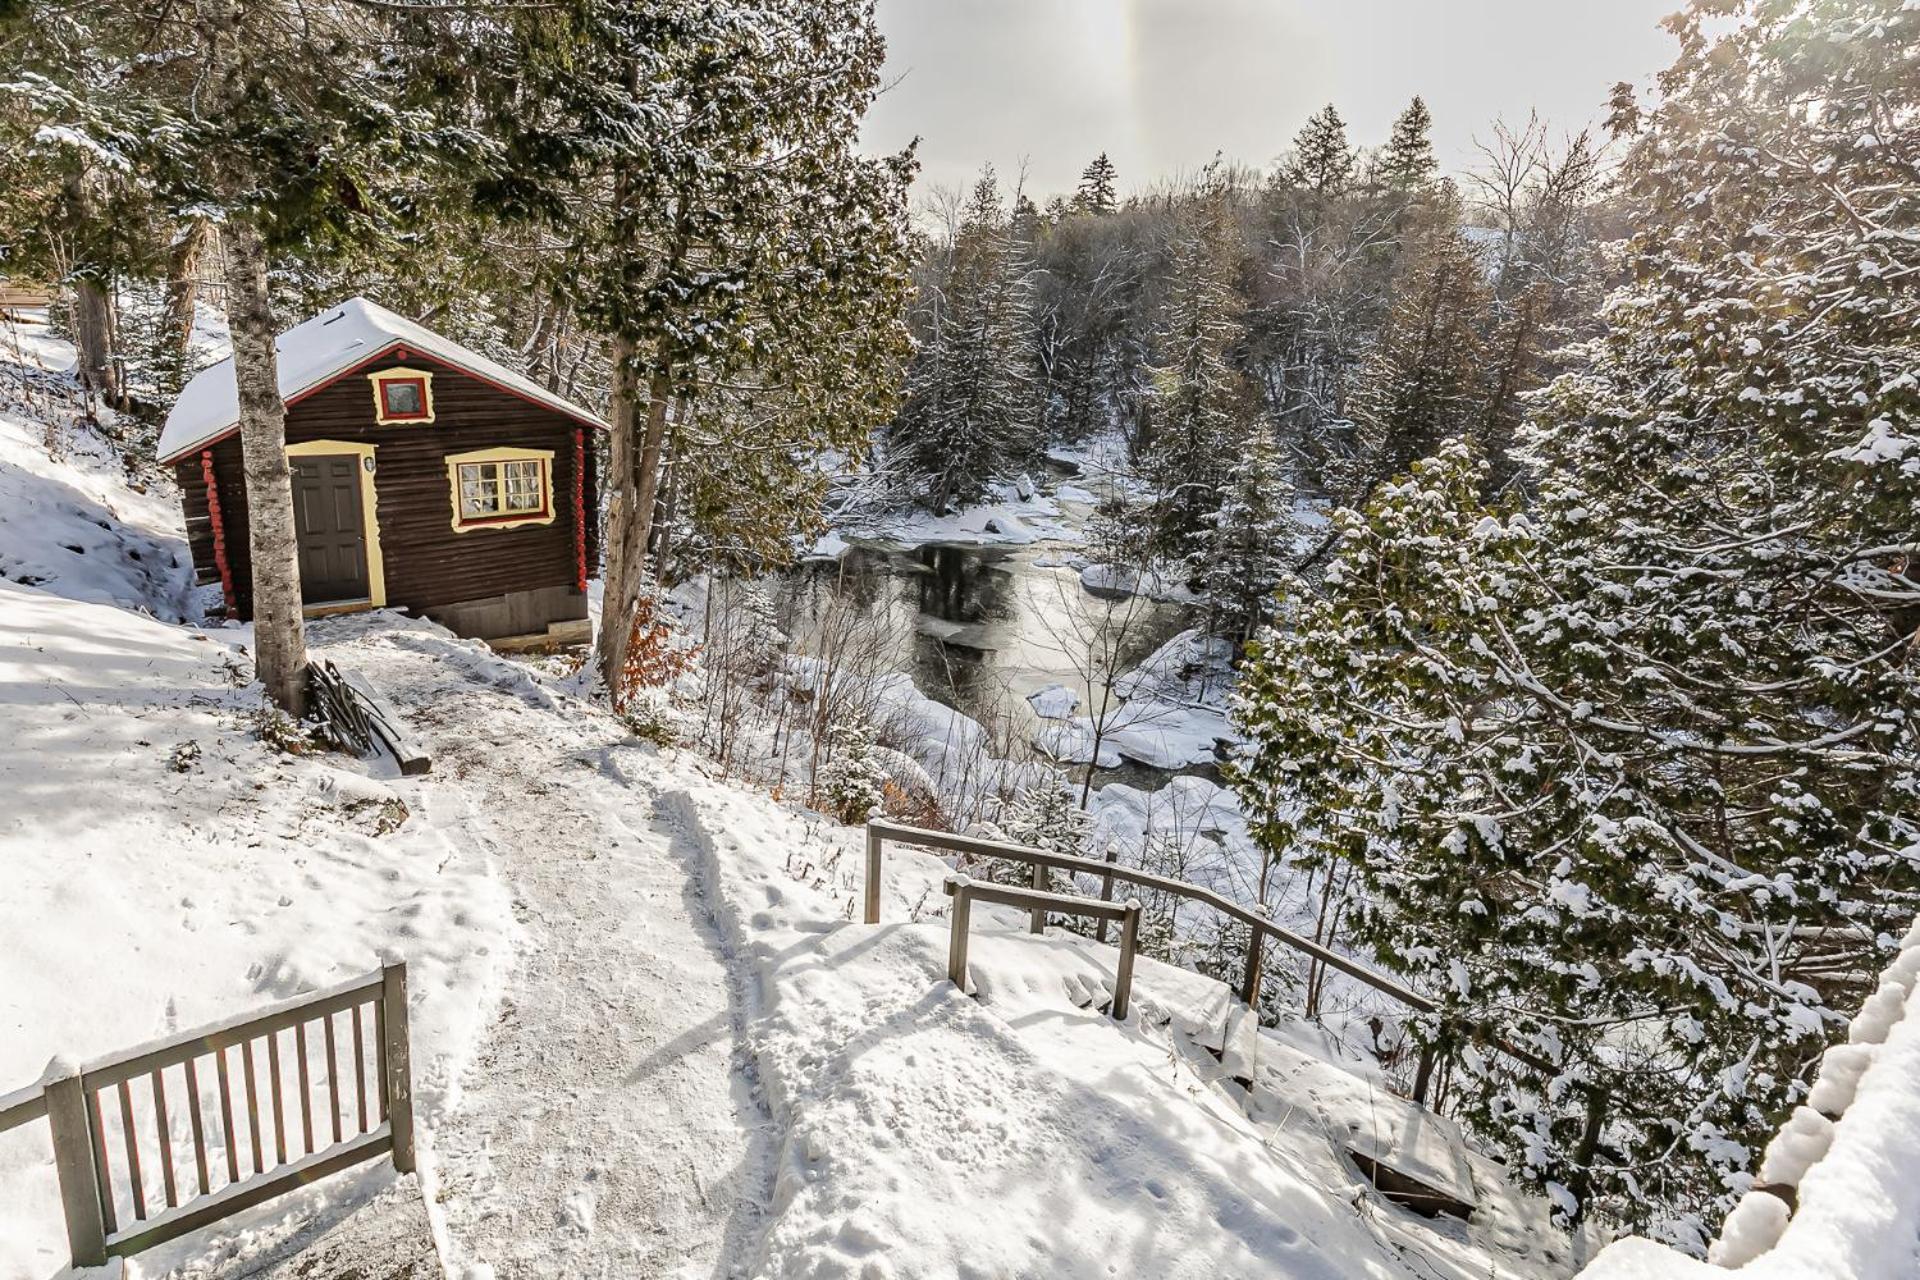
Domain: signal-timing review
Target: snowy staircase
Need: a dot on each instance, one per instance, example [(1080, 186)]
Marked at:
[(1415, 1158)]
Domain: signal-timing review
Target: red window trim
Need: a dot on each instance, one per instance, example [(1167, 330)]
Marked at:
[(387, 411)]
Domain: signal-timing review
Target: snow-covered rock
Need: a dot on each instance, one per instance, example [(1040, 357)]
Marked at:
[(1055, 702)]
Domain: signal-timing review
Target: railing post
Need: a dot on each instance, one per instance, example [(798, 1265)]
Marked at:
[(1106, 893), (396, 1060), (873, 875), (1250, 981), (1123, 976), (1037, 919), (961, 889), (73, 1161)]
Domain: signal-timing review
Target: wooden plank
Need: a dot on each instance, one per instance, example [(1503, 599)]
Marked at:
[(73, 1163), (22, 1106), (1123, 976), (166, 1139), (959, 889), (274, 1091), (199, 1127), (102, 1171), (396, 1061), (359, 1070), (228, 1138), (230, 1200), (253, 1104), (389, 727), (131, 1144), (1240, 1047), (333, 1079), (306, 1088), (380, 1048), (1416, 1159), (1006, 895)]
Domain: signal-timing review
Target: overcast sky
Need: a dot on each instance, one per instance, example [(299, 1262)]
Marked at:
[(1160, 85)]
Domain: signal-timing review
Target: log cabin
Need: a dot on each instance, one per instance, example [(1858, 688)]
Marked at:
[(426, 477)]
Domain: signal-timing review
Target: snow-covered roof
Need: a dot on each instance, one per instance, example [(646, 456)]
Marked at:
[(316, 352)]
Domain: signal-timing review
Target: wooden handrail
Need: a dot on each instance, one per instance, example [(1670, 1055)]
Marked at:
[(884, 830), (22, 1106), (879, 830), (964, 890), (145, 1059)]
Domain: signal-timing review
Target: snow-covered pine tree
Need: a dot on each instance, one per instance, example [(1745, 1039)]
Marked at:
[(1323, 161), (1202, 405), (1042, 816), (1250, 546), (1097, 193), (1407, 165), (1633, 778), (969, 410), (1423, 381), (852, 785)]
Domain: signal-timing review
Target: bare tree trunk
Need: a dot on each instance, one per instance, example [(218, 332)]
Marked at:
[(183, 283), (93, 340), (279, 637), (635, 474), (92, 308)]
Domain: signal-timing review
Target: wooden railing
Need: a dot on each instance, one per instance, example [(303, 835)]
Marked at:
[(1260, 929), (965, 891), (127, 1101)]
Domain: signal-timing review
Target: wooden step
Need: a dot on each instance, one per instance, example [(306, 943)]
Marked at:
[(1417, 1159)]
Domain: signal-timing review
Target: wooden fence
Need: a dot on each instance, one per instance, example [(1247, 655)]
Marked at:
[(111, 1120), (965, 891), (1260, 929)]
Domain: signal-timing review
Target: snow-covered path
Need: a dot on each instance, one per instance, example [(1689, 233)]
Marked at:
[(604, 1127)]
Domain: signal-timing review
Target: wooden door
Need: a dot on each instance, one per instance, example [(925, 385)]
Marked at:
[(332, 536)]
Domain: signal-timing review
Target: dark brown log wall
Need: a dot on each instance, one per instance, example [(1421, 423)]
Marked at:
[(427, 562)]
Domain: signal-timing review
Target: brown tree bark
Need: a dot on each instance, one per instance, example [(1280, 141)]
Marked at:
[(183, 283), (93, 336), (279, 632)]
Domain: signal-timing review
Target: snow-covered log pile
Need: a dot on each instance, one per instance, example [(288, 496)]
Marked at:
[(1837, 1198)]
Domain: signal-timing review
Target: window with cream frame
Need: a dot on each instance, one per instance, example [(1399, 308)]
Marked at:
[(501, 488), (402, 396)]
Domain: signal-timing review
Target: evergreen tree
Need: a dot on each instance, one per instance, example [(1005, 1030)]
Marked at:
[(1202, 406), (1407, 165), (1632, 778), (1042, 816), (1250, 547), (1423, 382), (1322, 161), (969, 406), (701, 163), (1097, 195)]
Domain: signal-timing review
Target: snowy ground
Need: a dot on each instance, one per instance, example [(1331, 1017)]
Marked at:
[(171, 868)]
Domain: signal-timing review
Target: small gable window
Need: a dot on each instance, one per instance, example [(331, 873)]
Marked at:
[(501, 488), (402, 395)]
